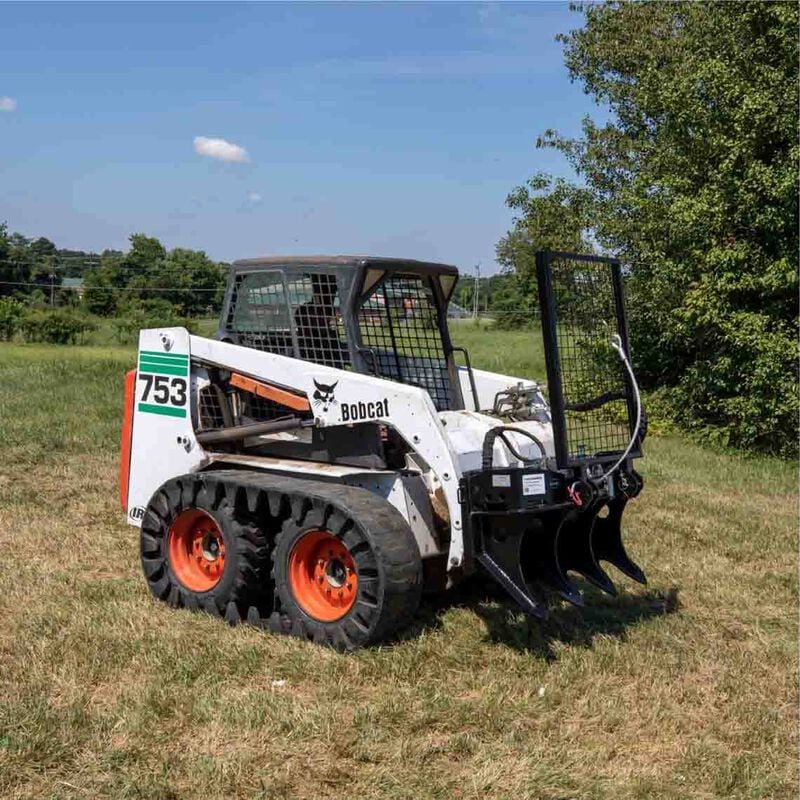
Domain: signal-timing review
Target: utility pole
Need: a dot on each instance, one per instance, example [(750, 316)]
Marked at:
[(52, 289), (477, 290)]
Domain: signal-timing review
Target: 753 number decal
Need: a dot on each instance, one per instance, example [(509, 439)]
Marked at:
[(162, 390)]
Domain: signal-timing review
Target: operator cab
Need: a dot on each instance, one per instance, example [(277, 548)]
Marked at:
[(378, 316)]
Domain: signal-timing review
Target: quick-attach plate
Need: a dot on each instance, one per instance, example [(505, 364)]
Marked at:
[(503, 490)]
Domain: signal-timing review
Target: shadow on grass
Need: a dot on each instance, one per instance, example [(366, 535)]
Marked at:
[(566, 624)]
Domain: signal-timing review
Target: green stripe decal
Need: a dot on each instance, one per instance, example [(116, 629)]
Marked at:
[(167, 411), (172, 358), (151, 362), (161, 369)]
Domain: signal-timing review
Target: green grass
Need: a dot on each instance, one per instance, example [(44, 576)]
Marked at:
[(517, 353), (684, 689)]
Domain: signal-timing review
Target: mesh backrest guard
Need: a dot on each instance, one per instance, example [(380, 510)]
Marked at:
[(590, 395)]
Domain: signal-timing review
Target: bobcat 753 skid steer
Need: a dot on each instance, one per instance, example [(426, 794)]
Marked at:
[(325, 458)]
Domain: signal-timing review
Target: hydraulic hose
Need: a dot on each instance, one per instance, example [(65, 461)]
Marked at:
[(500, 431), (616, 343)]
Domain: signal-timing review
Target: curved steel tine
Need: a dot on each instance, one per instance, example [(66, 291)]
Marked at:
[(540, 562), (501, 558), (607, 541), (574, 549)]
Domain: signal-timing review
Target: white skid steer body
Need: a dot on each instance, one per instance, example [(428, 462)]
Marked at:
[(172, 368)]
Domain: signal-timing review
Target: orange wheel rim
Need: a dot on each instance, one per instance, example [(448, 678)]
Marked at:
[(322, 576), (196, 550)]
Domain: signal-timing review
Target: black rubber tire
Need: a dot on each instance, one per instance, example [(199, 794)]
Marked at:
[(245, 581), (386, 556)]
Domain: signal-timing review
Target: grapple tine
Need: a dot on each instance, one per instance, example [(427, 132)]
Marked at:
[(540, 560), (607, 541), (574, 549), (500, 556)]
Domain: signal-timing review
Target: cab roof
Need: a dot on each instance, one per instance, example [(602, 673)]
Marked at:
[(379, 262)]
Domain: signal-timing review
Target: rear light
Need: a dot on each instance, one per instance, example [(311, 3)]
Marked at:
[(126, 438)]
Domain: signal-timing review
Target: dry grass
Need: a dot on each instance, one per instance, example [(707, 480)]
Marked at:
[(686, 689)]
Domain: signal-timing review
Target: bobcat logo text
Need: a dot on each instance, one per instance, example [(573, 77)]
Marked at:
[(355, 412)]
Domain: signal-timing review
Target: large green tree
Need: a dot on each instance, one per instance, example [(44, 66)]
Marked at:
[(103, 283), (187, 280), (693, 181), (198, 281), (17, 267)]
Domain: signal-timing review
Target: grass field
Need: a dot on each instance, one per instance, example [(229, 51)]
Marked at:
[(684, 689)]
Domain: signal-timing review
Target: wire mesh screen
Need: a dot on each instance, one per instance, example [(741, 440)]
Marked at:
[(258, 409), (314, 300), (210, 409), (593, 378), (401, 336), (297, 315), (243, 407)]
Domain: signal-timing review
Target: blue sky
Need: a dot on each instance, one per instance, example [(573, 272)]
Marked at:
[(392, 129)]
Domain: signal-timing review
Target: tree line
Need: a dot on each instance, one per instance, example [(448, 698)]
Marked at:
[(113, 282), (147, 286)]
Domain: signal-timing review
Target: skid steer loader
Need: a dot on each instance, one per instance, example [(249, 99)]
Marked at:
[(330, 453)]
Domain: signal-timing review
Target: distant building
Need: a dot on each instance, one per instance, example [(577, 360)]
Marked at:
[(73, 285)]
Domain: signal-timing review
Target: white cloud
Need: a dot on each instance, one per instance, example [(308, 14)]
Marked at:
[(254, 197), (8, 104), (220, 149)]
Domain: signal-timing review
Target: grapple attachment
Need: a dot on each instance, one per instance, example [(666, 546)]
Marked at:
[(531, 552), (531, 542)]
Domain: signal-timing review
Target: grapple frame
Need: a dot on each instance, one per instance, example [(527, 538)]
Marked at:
[(528, 541)]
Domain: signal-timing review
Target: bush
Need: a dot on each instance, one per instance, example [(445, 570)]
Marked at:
[(55, 327), (11, 312), (126, 328), (511, 308)]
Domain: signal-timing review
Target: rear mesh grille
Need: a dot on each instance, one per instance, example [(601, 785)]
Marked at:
[(593, 378)]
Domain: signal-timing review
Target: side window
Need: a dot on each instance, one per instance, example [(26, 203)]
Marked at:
[(315, 303), (399, 326), (260, 303), (272, 314)]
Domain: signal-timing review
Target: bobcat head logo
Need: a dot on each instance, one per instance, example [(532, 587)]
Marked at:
[(323, 396)]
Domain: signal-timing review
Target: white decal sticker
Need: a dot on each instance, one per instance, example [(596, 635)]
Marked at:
[(533, 484), (501, 480)]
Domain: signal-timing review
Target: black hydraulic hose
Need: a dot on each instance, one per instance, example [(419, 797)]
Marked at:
[(255, 429), (501, 431)]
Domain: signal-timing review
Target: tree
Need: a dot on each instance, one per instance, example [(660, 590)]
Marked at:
[(16, 271), (102, 284), (197, 280), (550, 215), (693, 182), (145, 254)]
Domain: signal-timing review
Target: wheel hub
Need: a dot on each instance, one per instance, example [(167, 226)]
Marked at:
[(323, 576), (336, 573), (196, 550), (211, 547)]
